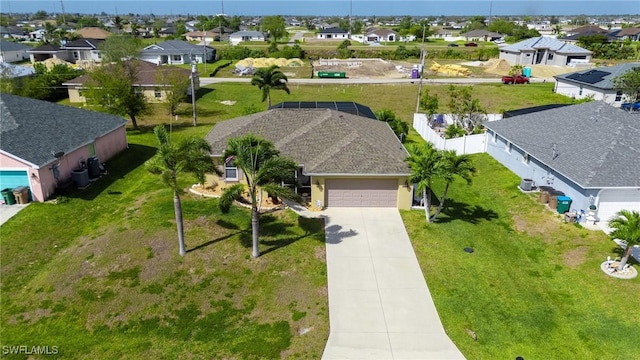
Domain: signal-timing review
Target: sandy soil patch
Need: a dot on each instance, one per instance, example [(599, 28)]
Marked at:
[(575, 257)]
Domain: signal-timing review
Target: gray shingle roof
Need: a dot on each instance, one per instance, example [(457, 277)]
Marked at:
[(325, 141), (250, 33), (597, 145), (12, 46), (543, 42), (31, 129), (333, 30), (171, 47), (607, 81)]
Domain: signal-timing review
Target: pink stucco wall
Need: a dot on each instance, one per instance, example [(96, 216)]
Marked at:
[(42, 182)]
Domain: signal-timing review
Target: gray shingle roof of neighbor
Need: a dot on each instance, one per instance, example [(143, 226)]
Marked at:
[(607, 80), (333, 30), (481, 33), (543, 42), (172, 47), (247, 33), (596, 144), (12, 46), (32, 129), (325, 141)]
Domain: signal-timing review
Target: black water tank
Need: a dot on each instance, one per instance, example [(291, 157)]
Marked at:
[(94, 167)]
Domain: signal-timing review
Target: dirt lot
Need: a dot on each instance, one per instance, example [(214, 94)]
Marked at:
[(501, 67), (360, 68)]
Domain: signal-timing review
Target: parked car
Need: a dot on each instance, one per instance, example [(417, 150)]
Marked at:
[(515, 79), (472, 44), (453, 45), (630, 106)]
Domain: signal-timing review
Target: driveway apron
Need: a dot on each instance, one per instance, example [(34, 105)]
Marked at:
[(379, 303)]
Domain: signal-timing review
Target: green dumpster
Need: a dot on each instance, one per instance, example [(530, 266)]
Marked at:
[(564, 203), (332, 74), (7, 195)]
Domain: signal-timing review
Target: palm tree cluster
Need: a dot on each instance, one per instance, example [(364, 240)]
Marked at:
[(428, 163)]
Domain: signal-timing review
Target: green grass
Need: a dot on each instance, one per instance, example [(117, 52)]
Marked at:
[(533, 287), (100, 274)]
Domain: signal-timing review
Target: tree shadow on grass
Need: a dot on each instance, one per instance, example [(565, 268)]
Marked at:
[(473, 214), (283, 234), (224, 224), (117, 168)]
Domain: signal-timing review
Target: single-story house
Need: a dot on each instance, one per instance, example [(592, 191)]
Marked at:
[(37, 35), (208, 36), (91, 32), (48, 51), (345, 160), (481, 35), (379, 35), (13, 32), (148, 82), (84, 49), (333, 33), (590, 152), (176, 52), (587, 29), (596, 83), (543, 50), (13, 52), (33, 152), (631, 33), (246, 35)]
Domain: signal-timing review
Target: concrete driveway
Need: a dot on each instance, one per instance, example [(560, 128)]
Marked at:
[(379, 303), (8, 211)]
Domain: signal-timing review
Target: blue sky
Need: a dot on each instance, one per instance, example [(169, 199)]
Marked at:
[(327, 8)]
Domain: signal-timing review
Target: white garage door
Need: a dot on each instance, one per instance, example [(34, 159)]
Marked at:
[(612, 201), (362, 192)]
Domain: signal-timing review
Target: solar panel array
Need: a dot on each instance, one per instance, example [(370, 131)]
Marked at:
[(349, 107), (589, 77)]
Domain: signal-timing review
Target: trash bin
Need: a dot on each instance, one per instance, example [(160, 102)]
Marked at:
[(8, 197), (544, 197), (22, 194), (564, 202), (553, 201)]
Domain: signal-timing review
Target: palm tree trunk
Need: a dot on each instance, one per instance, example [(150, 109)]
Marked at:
[(441, 206), (133, 121), (625, 258), (268, 101), (426, 196), (255, 224), (177, 207)]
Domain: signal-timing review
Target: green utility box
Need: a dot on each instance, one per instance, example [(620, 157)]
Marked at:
[(564, 203)]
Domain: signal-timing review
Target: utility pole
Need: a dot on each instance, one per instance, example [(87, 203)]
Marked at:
[(193, 88), (350, 17), (423, 56), (62, 6), (204, 47)]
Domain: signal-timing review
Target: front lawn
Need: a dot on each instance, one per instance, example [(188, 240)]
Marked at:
[(533, 285), (100, 275)]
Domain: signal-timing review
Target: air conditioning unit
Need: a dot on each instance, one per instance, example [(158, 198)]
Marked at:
[(526, 184)]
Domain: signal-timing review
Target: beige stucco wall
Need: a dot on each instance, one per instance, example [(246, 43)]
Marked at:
[(318, 194)]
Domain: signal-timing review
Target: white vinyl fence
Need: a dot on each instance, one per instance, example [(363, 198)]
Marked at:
[(468, 144)]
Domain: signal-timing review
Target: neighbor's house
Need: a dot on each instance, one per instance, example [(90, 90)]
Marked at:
[(72, 51), (33, 132), (590, 152), (596, 83), (201, 36), (333, 33), (543, 50), (587, 30), (632, 34), (13, 32), (246, 35), (481, 35), (176, 52), (37, 35), (149, 82), (13, 52), (91, 32), (345, 160), (381, 35)]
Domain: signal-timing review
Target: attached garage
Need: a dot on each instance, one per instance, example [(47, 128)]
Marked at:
[(612, 201), (362, 192), (13, 178)]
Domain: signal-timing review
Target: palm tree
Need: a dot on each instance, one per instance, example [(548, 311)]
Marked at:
[(191, 155), (264, 170), (626, 226), (399, 127), (454, 166), (270, 78), (426, 164)]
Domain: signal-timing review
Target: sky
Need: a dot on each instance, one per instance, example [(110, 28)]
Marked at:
[(329, 8)]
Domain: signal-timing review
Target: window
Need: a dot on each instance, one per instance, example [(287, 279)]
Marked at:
[(525, 159), (230, 172), (580, 93), (157, 93), (619, 95), (176, 57), (550, 57), (76, 55)]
